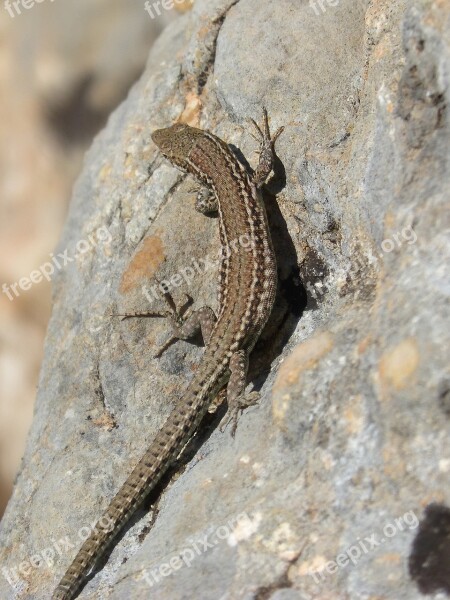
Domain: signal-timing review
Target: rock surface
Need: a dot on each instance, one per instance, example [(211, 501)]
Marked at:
[(63, 67), (320, 494)]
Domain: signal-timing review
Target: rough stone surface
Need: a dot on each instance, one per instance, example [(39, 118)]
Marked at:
[(349, 447), (64, 66)]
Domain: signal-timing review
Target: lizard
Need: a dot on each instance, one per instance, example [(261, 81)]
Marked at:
[(247, 288)]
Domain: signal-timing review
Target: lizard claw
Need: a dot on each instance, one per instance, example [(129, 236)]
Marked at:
[(266, 149), (237, 408)]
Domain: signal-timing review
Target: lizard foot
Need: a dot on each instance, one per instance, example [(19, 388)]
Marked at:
[(236, 408)]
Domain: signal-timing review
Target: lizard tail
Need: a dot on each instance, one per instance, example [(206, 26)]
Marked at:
[(163, 451)]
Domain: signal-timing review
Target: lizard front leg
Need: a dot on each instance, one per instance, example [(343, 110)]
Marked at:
[(266, 150)]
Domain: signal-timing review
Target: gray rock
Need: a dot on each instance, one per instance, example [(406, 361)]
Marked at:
[(320, 494)]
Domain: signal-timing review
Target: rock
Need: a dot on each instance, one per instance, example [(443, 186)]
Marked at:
[(322, 492), (63, 68)]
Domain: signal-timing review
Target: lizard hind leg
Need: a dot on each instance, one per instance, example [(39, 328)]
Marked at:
[(185, 326), (206, 202), (238, 400), (201, 320)]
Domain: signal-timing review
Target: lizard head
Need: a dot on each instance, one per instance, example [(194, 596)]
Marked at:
[(176, 142)]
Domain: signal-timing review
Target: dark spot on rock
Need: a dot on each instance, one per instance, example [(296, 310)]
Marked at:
[(429, 561), (294, 292), (444, 397), (313, 273), (146, 529)]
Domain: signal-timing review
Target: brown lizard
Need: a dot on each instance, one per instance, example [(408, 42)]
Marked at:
[(247, 287)]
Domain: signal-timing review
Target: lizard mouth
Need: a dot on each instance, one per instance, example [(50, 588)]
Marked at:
[(159, 136)]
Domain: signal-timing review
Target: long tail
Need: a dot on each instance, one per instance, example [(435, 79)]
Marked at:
[(170, 440)]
